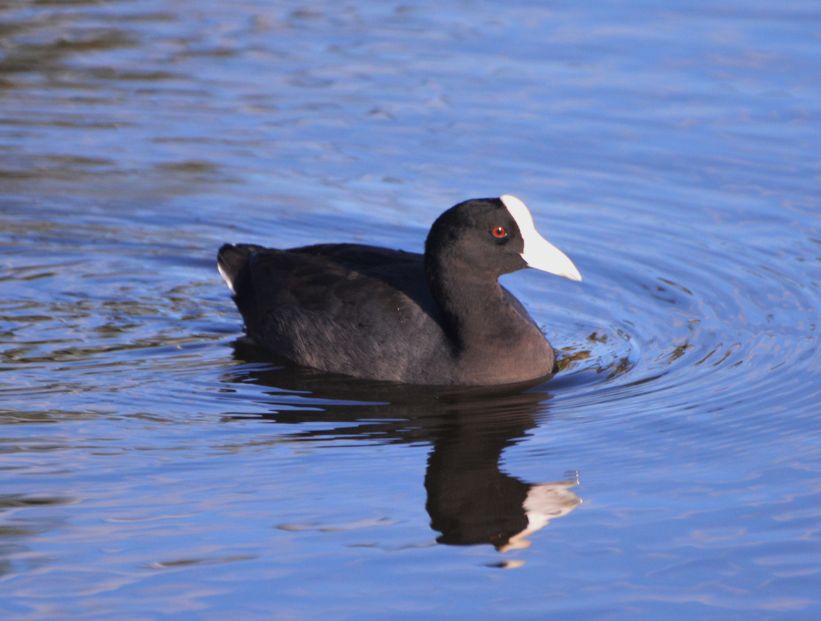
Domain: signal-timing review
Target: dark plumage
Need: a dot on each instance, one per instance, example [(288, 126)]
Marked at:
[(440, 318)]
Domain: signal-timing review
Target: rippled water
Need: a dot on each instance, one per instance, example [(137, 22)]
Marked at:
[(151, 466)]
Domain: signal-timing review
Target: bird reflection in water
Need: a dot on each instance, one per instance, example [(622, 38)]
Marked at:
[(470, 499)]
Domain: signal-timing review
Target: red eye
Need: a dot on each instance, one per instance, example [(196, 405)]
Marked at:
[(499, 232)]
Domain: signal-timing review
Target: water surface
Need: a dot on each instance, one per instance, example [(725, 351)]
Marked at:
[(152, 466)]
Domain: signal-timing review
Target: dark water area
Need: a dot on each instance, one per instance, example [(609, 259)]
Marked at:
[(152, 466)]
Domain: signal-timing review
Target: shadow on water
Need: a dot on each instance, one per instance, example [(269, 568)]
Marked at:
[(470, 498), (14, 532)]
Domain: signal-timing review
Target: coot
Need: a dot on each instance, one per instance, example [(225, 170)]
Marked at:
[(441, 318)]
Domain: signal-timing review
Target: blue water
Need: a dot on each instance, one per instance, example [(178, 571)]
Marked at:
[(154, 467)]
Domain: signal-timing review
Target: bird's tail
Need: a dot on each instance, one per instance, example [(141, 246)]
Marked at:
[(231, 258)]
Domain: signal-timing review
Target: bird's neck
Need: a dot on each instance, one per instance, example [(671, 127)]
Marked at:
[(474, 306), (491, 337)]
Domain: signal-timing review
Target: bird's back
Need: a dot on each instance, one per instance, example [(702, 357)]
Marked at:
[(346, 308)]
